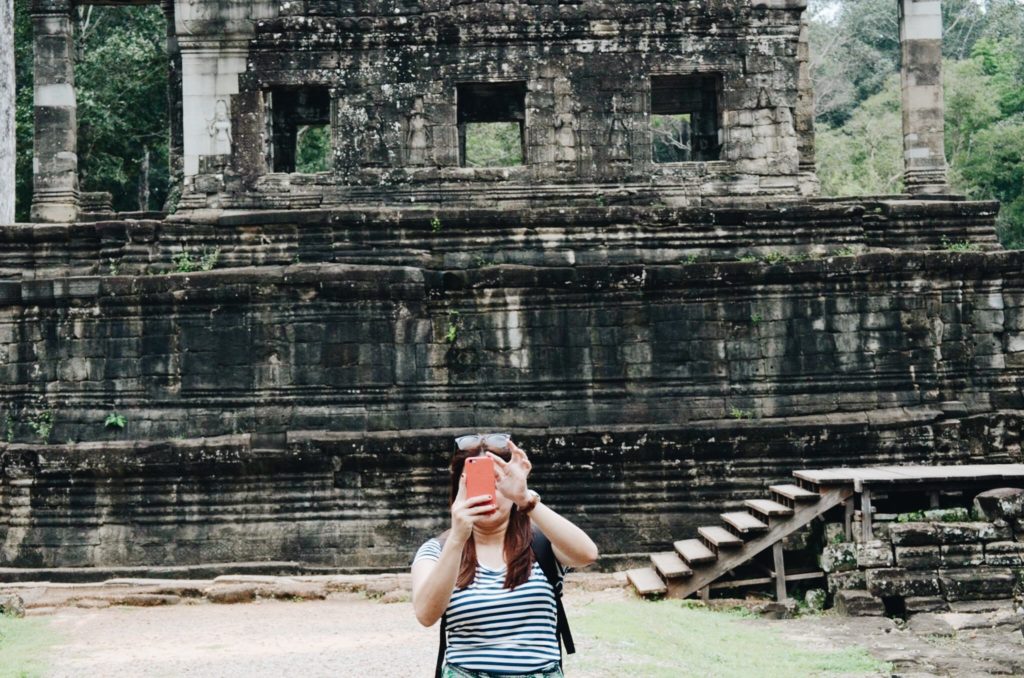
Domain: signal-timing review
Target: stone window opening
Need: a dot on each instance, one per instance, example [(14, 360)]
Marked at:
[(299, 129), (685, 123), (492, 124)]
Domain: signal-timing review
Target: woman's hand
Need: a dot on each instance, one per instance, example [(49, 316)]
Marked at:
[(511, 475), (466, 511)]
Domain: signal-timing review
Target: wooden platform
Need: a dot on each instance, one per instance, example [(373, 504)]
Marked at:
[(912, 475)]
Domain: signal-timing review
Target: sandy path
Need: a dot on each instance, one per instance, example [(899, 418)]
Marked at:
[(346, 635)]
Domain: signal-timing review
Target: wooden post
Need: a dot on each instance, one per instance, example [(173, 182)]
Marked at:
[(866, 517), (780, 572), (848, 519), (705, 593)]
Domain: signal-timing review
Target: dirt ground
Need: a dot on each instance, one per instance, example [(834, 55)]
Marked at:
[(350, 635)]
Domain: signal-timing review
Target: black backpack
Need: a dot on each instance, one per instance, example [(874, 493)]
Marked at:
[(545, 556)]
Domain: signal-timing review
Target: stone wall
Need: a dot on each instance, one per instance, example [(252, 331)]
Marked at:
[(304, 411), (391, 72)]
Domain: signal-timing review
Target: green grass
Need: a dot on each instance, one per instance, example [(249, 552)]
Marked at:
[(666, 639), (23, 645)]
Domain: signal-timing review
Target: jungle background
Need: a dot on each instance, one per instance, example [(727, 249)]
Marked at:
[(121, 80)]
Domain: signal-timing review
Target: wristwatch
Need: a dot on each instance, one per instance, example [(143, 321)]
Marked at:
[(531, 503)]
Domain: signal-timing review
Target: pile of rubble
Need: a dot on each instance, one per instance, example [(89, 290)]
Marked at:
[(941, 562)]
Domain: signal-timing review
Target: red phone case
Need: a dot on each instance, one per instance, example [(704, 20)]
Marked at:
[(479, 476)]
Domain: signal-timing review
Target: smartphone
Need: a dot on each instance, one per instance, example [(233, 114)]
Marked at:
[(479, 477)]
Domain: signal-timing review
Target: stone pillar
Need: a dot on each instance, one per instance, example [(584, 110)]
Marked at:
[(55, 147), (924, 154), (803, 119)]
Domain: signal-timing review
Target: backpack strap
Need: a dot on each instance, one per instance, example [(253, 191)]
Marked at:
[(545, 555)]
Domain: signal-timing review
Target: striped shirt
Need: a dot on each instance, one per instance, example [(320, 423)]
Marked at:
[(498, 630)]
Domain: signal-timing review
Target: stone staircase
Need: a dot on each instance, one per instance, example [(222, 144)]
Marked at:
[(717, 550)]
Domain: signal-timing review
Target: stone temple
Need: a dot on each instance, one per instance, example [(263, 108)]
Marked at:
[(647, 292)]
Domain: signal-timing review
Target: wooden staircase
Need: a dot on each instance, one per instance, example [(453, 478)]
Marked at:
[(697, 563)]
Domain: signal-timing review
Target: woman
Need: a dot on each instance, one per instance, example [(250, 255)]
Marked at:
[(482, 575)]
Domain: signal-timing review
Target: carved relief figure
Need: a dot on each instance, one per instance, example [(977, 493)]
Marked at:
[(416, 141), (618, 135), (565, 138), (375, 150), (219, 128)]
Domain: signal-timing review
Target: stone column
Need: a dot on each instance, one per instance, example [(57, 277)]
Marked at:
[(803, 119), (924, 156), (55, 147)]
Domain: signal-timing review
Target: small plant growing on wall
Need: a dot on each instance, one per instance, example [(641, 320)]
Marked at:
[(8, 427), (42, 425), (962, 246), (115, 420), (206, 261), (453, 327), (436, 225), (739, 413)]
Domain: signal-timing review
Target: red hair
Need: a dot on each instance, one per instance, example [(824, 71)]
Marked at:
[(518, 549)]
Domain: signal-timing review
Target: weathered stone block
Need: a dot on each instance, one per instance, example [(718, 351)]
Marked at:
[(11, 604), (967, 533), (977, 583), (901, 582), (1006, 503), (855, 603), (874, 554), (838, 557), (852, 579), (913, 534), (918, 604), (1005, 553), (919, 557), (962, 555)]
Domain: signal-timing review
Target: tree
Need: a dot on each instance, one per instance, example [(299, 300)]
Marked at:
[(121, 87), (8, 150)]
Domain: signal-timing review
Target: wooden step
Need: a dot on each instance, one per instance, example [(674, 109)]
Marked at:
[(719, 537), (768, 508), (670, 565), (744, 523), (795, 493), (694, 552), (646, 581)]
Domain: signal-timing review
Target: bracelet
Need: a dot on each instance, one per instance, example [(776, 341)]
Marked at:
[(531, 504)]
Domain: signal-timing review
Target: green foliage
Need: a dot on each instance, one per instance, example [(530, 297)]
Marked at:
[(739, 413), (452, 333), (963, 246), (313, 149), (859, 136), (115, 420), (205, 261), (493, 144), (865, 155), (121, 88), (8, 428), (41, 424), (436, 225)]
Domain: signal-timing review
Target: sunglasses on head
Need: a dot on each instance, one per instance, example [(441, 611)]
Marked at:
[(494, 441)]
